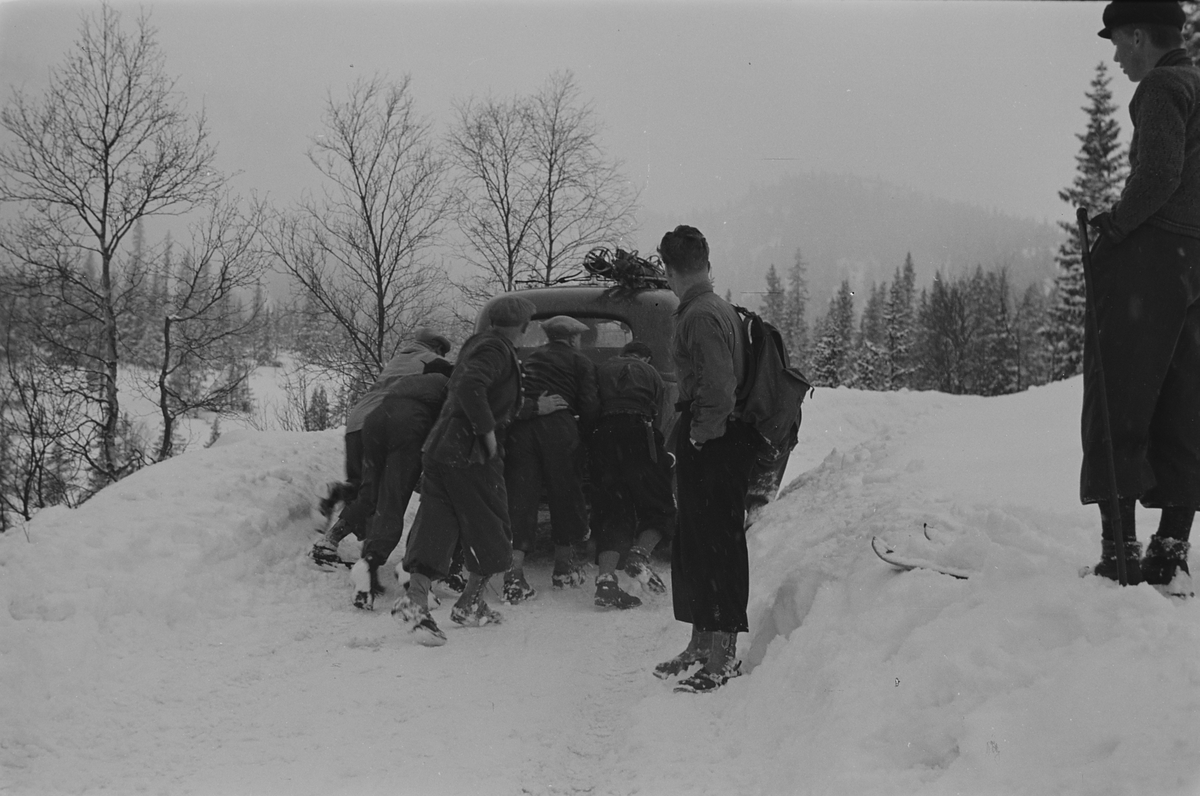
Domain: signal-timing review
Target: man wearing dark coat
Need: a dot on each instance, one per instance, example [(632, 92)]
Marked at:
[(545, 450), (631, 475), (425, 353), (1146, 290), (393, 435), (463, 499)]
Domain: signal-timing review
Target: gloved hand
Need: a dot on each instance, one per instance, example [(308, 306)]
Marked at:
[(1107, 236)]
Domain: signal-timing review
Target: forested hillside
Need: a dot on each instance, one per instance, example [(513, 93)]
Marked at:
[(848, 228)]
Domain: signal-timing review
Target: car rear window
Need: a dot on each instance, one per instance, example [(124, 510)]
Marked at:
[(605, 336)]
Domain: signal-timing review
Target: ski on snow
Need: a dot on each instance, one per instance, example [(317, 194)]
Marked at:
[(908, 563)]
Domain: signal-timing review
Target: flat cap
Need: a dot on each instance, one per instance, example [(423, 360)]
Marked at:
[(1126, 12), (561, 326), (433, 340), (510, 310)]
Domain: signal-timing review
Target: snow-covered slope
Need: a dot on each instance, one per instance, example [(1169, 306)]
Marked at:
[(168, 636)]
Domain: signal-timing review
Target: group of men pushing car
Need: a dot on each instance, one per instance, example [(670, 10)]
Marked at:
[(488, 435), (480, 491)]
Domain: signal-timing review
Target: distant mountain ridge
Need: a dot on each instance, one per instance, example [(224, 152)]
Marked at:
[(853, 228)]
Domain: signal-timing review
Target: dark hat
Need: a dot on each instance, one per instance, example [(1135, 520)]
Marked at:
[(1126, 12), (510, 310), (637, 348), (561, 326), (433, 340)]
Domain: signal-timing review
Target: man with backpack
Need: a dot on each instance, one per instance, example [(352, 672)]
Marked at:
[(715, 456)]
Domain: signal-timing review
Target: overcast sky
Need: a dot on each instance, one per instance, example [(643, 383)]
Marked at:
[(972, 101)]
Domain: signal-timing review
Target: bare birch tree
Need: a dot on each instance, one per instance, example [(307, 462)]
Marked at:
[(359, 252), (106, 144), (498, 195), (586, 202), (203, 323)]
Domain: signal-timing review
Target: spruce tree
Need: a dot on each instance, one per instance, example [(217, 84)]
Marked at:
[(1029, 318), (772, 310), (947, 336), (869, 348), (994, 359), (1099, 174), (898, 321), (832, 358), (795, 325), (316, 414)]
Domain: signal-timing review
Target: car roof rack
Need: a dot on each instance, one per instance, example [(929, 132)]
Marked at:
[(626, 268)]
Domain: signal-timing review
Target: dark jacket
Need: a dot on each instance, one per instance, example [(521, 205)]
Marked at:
[(709, 358), (1163, 188), (412, 360), (629, 385), (559, 369), (483, 395)]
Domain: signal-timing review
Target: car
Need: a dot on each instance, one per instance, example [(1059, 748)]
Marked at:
[(615, 315)]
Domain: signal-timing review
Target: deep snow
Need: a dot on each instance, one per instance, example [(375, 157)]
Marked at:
[(170, 637)]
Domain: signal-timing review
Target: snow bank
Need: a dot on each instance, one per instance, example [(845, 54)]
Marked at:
[(169, 636), (1023, 679), (167, 553)]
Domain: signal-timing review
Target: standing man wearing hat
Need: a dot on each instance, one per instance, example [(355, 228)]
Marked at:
[(1146, 302), (546, 449), (715, 455), (425, 353), (463, 499)]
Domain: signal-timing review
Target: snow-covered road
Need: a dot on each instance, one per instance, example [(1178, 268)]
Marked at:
[(170, 636)]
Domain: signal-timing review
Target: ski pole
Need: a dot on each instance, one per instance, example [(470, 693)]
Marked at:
[(1093, 332)]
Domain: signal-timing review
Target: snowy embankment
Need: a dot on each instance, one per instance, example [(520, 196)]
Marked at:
[(169, 636)]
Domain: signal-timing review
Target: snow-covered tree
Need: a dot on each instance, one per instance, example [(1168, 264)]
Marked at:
[(773, 309), (898, 328), (316, 414), (946, 336), (994, 362), (1099, 174), (868, 369), (795, 324), (1029, 316), (832, 358)]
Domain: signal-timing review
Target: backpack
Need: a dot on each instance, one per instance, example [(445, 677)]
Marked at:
[(772, 391)]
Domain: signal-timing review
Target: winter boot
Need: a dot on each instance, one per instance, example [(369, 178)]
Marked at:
[(610, 595), (517, 589), (474, 613), (696, 652), (1107, 567), (419, 622), (720, 668), (1166, 566), (456, 581), (637, 566), (568, 574), (325, 555), (365, 578), (332, 498)]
